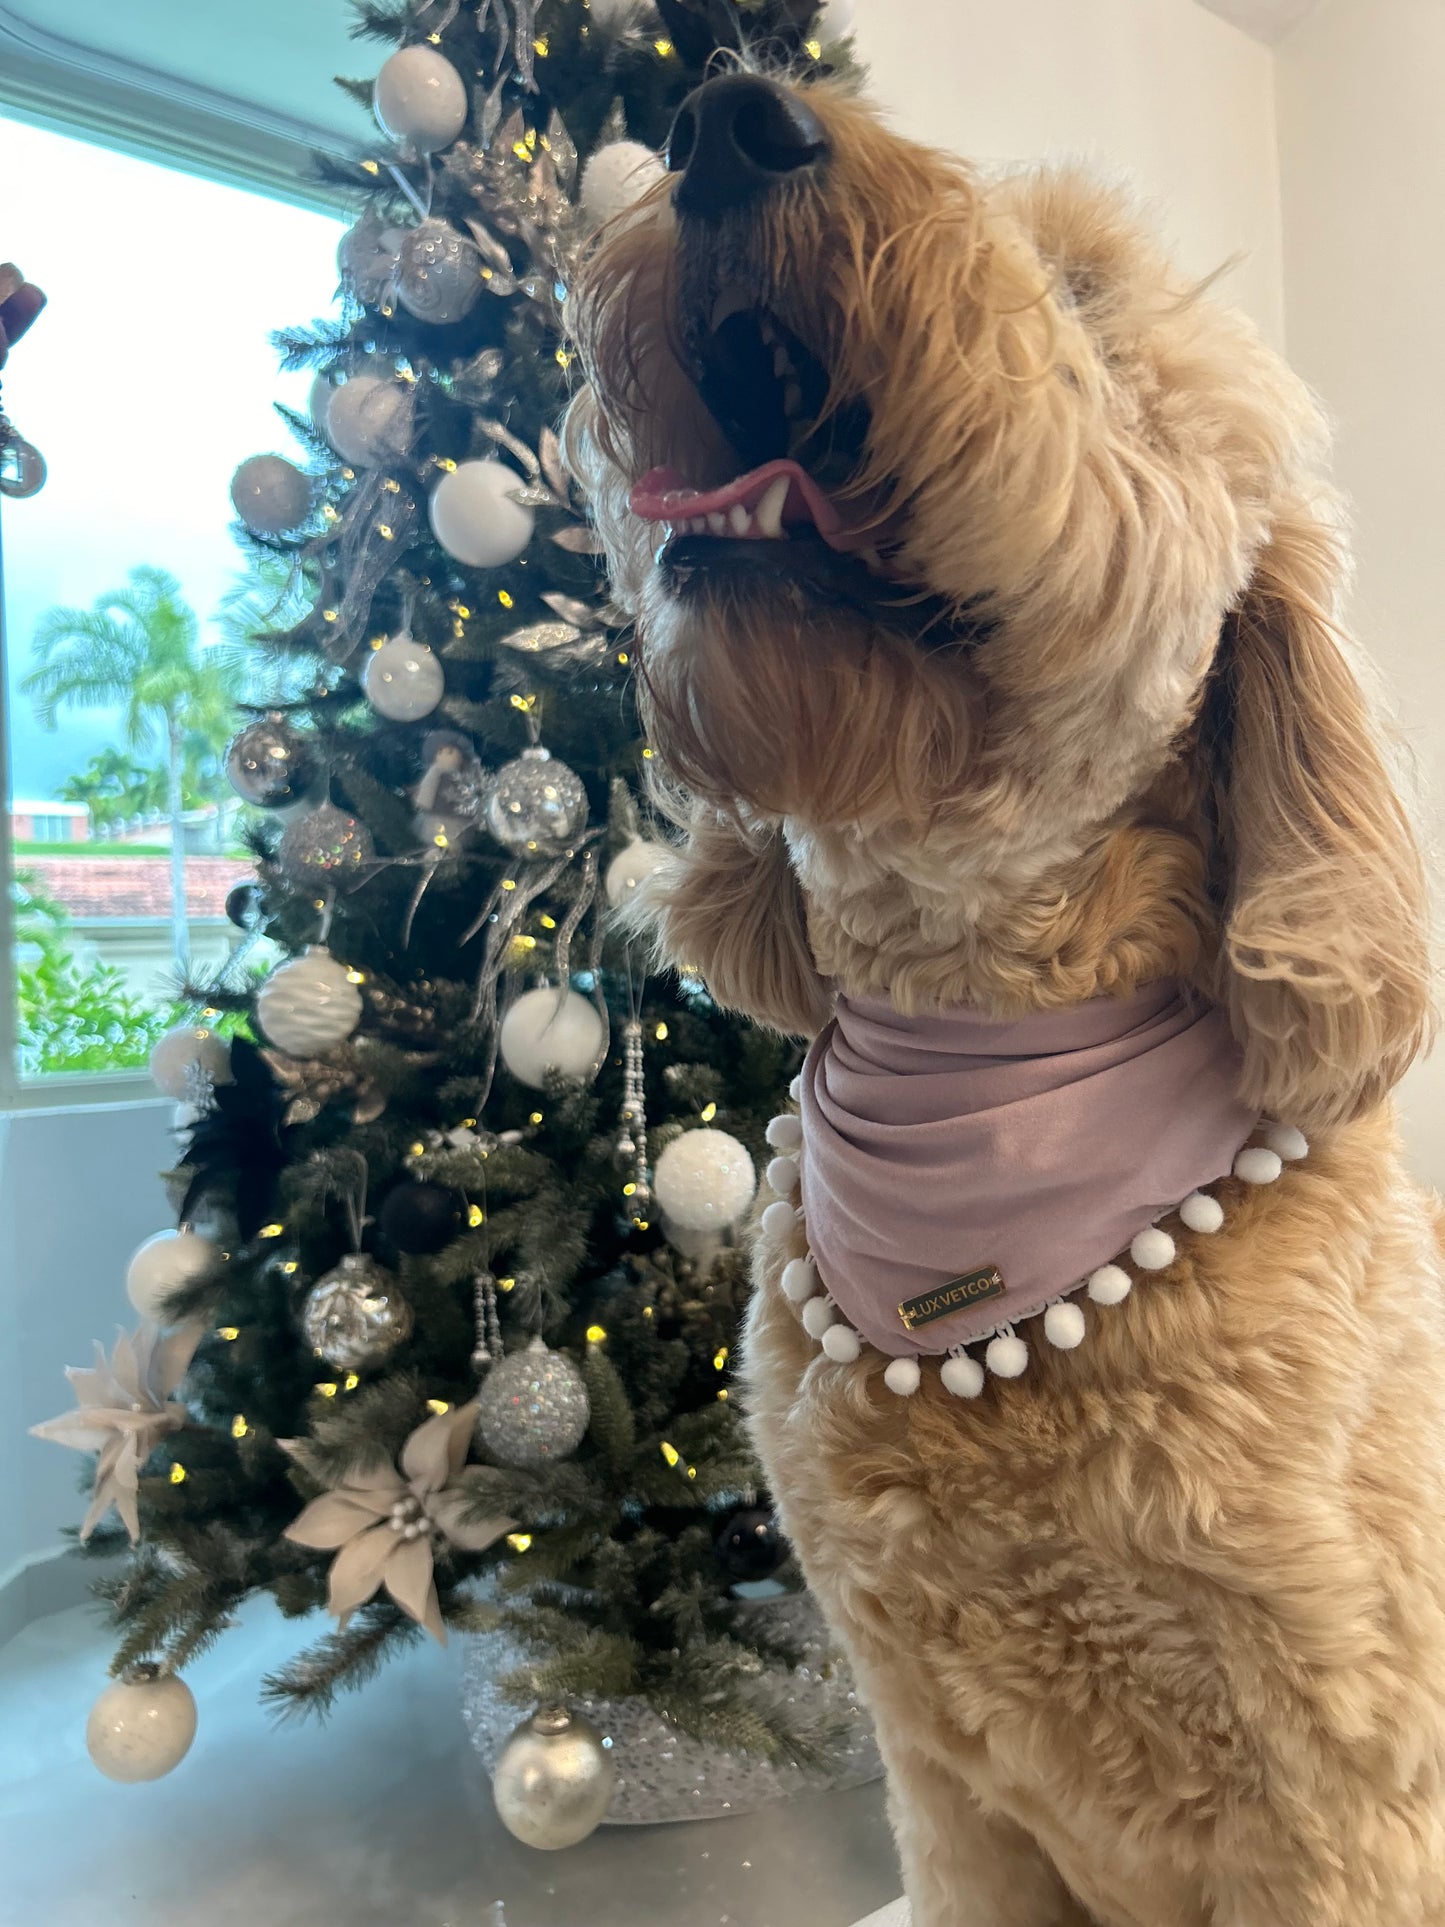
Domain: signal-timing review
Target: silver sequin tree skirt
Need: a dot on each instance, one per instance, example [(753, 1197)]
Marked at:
[(663, 1774)]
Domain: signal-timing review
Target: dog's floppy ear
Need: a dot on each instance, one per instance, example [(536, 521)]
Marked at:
[(1325, 966), (729, 907)]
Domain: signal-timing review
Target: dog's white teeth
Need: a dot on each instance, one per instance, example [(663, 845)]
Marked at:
[(792, 399), (698, 525), (717, 522), (770, 509), (738, 519)]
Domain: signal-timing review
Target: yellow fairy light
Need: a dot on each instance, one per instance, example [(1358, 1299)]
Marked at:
[(670, 1453), (330, 513), (547, 923), (661, 1033), (356, 976), (230, 1333), (720, 1358), (523, 703), (290, 1268), (351, 1381), (434, 39), (519, 1541), (564, 358), (330, 615), (506, 1284), (541, 46), (813, 49), (417, 1149), (647, 755), (629, 1190), (469, 1124), (648, 1311), (642, 1224), (536, 1117), (179, 1474), (270, 1231), (391, 485), (475, 1216), (523, 942), (596, 1334), (664, 48), (709, 1112), (442, 840), (623, 657), (386, 532), (463, 611), (444, 462), (239, 1427), (504, 599), (521, 150), (692, 1471), (370, 167), (327, 1391), (438, 1405), (723, 1396), (348, 474)]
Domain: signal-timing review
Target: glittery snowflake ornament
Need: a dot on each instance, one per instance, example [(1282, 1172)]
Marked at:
[(532, 1409)]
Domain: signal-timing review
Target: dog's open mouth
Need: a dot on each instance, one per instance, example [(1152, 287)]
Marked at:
[(769, 395)]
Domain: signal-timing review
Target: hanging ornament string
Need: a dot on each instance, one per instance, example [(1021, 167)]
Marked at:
[(488, 1347), (423, 207), (632, 1135), (586, 897)]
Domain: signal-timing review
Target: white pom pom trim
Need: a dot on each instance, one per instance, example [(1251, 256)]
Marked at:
[(818, 1315), (1007, 1356), (783, 1176), (800, 1280), (1152, 1249), (962, 1376), (842, 1344), (778, 1220), (785, 1133), (795, 1089), (1110, 1285), (1202, 1213), (1064, 1326), (903, 1376), (1257, 1165), (1286, 1142)]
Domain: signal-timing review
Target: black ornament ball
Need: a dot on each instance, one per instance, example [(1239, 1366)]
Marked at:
[(271, 763), (750, 1545), (420, 1218), (243, 905)]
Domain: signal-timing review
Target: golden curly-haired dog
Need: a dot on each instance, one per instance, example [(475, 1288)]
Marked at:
[(1053, 706)]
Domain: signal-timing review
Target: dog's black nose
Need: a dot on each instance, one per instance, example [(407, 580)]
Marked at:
[(736, 137)]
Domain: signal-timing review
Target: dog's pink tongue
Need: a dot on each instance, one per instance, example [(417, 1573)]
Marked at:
[(751, 506)]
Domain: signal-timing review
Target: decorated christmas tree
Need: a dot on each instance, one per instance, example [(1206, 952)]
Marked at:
[(442, 1338)]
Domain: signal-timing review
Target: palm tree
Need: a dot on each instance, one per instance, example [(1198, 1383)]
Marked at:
[(138, 649), (114, 785)]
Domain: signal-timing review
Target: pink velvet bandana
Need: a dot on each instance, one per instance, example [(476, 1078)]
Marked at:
[(960, 1173)]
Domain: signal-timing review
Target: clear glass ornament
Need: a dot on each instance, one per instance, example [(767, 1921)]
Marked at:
[(356, 1315), (439, 277), (270, 764), (22, 466), (532, 1408), (538, 807), (325, 842)]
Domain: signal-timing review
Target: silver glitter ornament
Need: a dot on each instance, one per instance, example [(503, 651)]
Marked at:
[(326, 842), (532, 1408), (553, 1779), (270, 764), (440, 274), (367, 256), (356, 1316), (664, 1774), (538, 807)]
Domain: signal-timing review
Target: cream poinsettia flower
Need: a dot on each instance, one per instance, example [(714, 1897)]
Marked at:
[(382, 1523), (124, 1409)]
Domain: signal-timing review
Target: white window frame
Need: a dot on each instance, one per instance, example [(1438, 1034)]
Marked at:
[(113, 102)]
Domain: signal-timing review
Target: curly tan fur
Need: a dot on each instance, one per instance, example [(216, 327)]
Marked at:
[(1154, 1636)]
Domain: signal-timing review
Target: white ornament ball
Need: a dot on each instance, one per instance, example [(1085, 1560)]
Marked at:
[(903, 1376), (1200, 1212), (1007, 1356), (842, 1344), (164, 1264), (800, 1281), (704, 1180), (1064, 1326), (142, 1725), (1287, 1142), (308, 1004), (963, 1377), (542, 1032), (778, 1220), (403, 680), (616, 178), (189, 1058), (835, 19), (1110, 1285), (633, 866), (783, 1176), (270, 495), (420, 99), (1257, 1165), (473, 517), (785, 1133), (1152, 1249), (818, 1316), (367, 420)]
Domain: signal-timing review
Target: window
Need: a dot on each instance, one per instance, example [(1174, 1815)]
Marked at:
[(150, 376)]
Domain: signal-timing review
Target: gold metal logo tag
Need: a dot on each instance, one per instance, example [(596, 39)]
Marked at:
[(974, 1288)]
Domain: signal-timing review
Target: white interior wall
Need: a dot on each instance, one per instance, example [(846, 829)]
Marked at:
[(1362, 153)]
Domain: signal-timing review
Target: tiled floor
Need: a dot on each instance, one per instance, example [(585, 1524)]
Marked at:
[(376, 1820)]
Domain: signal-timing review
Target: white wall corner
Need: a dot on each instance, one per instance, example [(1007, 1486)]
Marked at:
[(1266, 20)]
